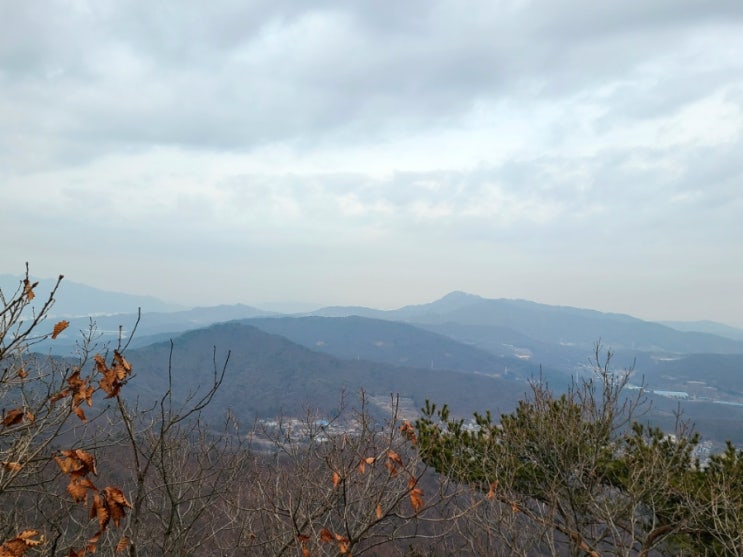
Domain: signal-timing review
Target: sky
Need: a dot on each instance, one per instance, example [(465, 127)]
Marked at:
[(379, 153)]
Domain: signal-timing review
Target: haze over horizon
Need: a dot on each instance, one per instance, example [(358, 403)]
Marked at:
[(379, 154)]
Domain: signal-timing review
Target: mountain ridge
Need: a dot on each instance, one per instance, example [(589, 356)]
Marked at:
[(75, 299), (269, 375), (557, 324)]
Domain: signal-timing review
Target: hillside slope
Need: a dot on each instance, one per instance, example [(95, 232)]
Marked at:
[(269, 375)]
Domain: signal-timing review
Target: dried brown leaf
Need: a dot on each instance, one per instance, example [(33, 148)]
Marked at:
[(17, 546), (122, 367), (303, 539), (81, 389), (76, 462), (99, 511), (393, 456), (28, 289), (59, 396), (491, 491), (59, 327), (92, 544), (68, 465), (408, 430), (78, 488), (116, 503), (100, 364), (344, 546), (416, 499), (110, 385), (122, 545), (88, 460), (27, 536), (393, 462), (13, 417), (363, 463), (79, 413), (12, 466)]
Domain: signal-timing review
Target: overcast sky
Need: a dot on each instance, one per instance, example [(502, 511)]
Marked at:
[(573, 152)]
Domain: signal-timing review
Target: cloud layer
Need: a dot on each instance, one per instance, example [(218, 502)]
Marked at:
[(583, 153)]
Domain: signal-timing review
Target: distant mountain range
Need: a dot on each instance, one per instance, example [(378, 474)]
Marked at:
[(390, 343), (560, 325), (471, 352), (710, 327), (269, 376), (79, 300)]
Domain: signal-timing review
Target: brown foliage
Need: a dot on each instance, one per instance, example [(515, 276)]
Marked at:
[(33, 426), (115, 376), (17, 546), (12, 466), (59, 327), (122, 545), (76, 462), (109, 504), (416, 495), (408, 430), (28, 289), (13, 417), (364, 462), (393, 462)]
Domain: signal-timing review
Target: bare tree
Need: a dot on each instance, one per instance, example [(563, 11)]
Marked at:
[(181, 472), (346, 486)]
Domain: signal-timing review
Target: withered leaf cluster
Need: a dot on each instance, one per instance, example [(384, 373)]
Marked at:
[(115, 376), (109, 504), (17, 546), (81, 389)]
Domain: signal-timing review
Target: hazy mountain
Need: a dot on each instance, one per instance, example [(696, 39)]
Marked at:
[(152, 326), (79, 300), (507, 328), (451, 302), (560, 325), (269, 375), (351, 311), (461, 349), (716, 376), (391, 342), (711, 327), (506, 342)]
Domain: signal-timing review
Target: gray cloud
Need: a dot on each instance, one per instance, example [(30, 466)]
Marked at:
[(110, 75), (353, 139)]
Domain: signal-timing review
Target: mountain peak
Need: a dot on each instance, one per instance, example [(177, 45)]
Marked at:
[(452, 301), (460, 296)]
